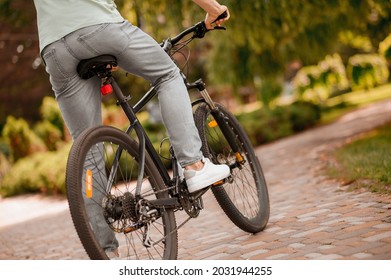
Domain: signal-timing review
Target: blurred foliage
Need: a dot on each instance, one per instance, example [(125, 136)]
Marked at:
[(265, 125), (367, 71), (385, 47), (358, 43), (15, 15), (49, 133), (318, 82), (51, 128), (50, 112), (269, 89), (272, 33), (21, 139), (262, 38), (41, 172)]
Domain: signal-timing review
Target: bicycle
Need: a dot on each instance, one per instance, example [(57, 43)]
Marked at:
[(121, 174)]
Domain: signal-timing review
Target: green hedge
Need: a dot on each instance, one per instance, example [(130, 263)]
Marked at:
[(21, 139), (316, 83), (385, 47), (42, 172), (366, 71), (263, 126)]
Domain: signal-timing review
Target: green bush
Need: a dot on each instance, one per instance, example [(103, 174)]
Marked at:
[(318, 82), (5, 166), (278, 124), (385, 47), (367, 71), (303, 115), (253, 123), (263, 126), (42, 172), (5, 148), (50, 112), (50, 134), (270, 89), (21, 139)]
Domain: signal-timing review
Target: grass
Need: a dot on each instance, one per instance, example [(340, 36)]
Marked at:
[(366, 162), (345, 103)]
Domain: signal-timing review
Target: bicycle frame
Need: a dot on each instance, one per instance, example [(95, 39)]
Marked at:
[(145, 145)]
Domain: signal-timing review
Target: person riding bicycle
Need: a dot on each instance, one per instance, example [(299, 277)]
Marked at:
[(72, 30)]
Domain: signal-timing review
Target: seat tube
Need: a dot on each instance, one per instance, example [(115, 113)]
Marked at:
[(123, 102)]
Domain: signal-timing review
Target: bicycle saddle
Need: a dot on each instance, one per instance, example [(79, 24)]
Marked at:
[(96, 66)]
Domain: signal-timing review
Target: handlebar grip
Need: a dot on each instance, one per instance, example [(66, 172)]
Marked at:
[(223, 15)]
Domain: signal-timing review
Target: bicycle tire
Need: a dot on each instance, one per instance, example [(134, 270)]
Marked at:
[(86, 153), (244, 197)]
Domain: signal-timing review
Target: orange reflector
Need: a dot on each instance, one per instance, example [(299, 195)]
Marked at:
[(212, 124), (239, 157), (89, 183), (218, 183)]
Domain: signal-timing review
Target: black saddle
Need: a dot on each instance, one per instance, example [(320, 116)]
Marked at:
[(97, 66)]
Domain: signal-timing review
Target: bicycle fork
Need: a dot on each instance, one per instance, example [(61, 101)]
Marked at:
[(220, 119)]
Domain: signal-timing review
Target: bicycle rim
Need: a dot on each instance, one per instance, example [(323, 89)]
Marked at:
[(100, 181), (244, 197)]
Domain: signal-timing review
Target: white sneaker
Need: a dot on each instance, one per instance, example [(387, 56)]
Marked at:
[(209, 174)]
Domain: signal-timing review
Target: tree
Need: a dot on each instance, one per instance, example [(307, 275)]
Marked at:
[(262, 38), (270, 34)]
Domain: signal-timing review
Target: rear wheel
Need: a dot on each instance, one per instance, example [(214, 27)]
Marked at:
[(244, 197), (100, 180)]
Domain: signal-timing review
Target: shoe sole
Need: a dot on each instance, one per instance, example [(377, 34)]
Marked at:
[(212, 181)]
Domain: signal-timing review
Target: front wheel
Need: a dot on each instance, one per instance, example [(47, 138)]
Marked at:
[(244, 197), (112, 221)]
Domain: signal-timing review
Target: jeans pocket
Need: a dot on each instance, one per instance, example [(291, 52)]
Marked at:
[(60, 67)]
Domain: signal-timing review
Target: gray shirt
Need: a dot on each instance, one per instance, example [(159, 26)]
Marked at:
[(58, 18)]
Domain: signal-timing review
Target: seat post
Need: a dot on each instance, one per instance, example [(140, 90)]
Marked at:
[(122, 100)]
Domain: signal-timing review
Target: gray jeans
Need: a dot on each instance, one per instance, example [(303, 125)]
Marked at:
[(138, 54), (80, 100)]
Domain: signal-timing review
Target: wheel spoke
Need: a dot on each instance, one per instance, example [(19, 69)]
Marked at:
[(112, 217), (244, 197)]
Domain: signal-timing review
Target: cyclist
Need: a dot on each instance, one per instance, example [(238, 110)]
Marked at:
[(72, 30)]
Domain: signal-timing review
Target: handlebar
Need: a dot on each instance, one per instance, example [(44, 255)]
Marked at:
[(199, 30)]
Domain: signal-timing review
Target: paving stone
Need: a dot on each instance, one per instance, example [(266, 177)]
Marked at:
[(378, 237), (362, 255)]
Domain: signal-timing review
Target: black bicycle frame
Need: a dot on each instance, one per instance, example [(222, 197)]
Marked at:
[(145, 144)]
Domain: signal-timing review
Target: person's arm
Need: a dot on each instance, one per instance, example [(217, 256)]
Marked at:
[(213, 9)]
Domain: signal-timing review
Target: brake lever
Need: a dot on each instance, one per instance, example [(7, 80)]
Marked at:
[(202, 30), (223, 15), (219, 28)]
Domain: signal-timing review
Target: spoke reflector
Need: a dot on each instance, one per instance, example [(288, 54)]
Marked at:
[(89, 183), (212, 124)]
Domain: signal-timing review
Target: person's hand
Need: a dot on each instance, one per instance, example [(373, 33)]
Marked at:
[(210, 20)]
